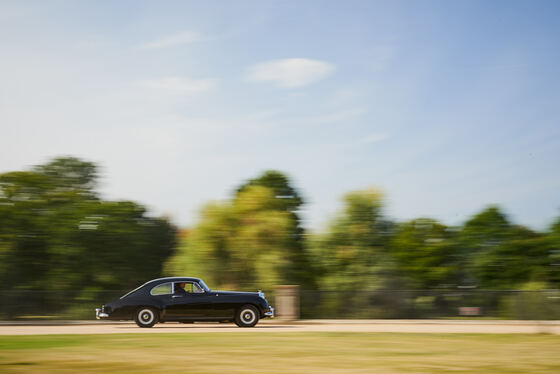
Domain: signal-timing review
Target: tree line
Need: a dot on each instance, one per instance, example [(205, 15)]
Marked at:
[(255, 240), (56, 233)]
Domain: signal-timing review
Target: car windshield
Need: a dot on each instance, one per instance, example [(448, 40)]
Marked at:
[(203, 285)]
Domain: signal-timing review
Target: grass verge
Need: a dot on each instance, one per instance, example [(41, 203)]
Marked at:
[(281, 353)]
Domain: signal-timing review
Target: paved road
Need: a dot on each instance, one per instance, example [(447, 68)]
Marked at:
[(414, 326)]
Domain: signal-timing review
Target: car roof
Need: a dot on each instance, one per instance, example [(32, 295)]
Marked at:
[(172, 279), (155, 282)]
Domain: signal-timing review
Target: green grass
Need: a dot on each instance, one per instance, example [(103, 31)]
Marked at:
[(280, 353)]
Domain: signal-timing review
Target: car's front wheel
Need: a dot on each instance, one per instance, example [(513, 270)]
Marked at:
[(247, 316), (146, 317)]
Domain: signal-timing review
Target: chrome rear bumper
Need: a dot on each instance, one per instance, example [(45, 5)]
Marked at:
[(99, 314), (269, 312)]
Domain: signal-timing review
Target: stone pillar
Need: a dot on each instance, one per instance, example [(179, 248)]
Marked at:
[(286, 299)]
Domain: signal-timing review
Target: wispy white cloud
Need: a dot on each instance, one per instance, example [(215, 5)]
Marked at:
[(374, 138), (347, 96), (184, 37), (290, 72), (180, 85), (340, 116)]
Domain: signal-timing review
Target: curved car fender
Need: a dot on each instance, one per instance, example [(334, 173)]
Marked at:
[(126, 308), (257, 302)]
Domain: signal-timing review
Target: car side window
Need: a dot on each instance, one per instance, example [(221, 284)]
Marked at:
[(196, 288), (183, 288), (162, 289)]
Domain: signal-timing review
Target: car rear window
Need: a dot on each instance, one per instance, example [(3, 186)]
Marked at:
[(162, 289)]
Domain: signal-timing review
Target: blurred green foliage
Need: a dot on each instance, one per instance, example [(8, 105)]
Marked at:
[(426, 252), (352, 253), (499, 255), (253, 240), (56, 233)]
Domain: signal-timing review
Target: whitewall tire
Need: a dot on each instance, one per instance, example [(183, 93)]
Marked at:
[(247, 316), (146, 317)]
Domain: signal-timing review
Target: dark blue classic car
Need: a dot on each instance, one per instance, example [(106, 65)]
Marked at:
[(186, 300)]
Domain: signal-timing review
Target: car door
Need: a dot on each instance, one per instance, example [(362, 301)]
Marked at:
[(224, 304), (195, 304)]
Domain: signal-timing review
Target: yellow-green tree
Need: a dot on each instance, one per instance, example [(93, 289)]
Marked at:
[(240, 243), (351, 254)]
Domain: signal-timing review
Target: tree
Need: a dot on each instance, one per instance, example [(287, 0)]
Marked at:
[(287, 199), (351, 254), (56, 234), (243, 242), (500, 255), (71, 174), (426, 253)]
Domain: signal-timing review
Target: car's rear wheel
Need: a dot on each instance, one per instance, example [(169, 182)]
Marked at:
[(247, 316), (146, 317)]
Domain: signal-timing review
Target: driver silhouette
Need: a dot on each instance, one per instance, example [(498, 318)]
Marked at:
[(180, 289)]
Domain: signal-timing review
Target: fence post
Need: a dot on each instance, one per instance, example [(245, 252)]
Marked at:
[(287, 302)]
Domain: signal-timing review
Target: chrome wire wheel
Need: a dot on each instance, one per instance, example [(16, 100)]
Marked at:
[(247, 316), (146, 317)]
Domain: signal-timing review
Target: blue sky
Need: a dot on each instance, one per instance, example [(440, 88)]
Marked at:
[(445, 106)]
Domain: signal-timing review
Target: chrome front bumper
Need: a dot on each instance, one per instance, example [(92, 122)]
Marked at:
[(269, 312), (99, 314)]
